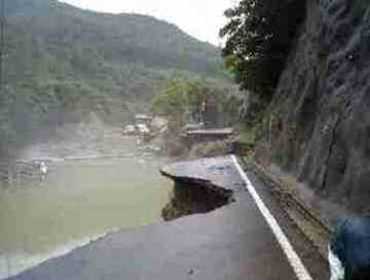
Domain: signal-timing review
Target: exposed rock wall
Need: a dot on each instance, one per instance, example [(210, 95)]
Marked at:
[(319, 126)]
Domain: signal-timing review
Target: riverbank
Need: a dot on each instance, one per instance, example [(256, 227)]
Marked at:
[(205, 187), (230, 242), (94, 186)]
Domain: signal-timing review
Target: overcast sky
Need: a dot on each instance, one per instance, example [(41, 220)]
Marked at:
[(200, 18)]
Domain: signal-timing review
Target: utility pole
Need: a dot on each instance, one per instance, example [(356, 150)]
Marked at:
[(2, 45)]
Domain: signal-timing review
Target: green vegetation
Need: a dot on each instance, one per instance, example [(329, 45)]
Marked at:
[(259, 37), (179, 99), (360, 11), (61, 62), (247, 136), (182, 101)]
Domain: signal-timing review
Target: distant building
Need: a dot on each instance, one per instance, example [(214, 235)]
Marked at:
[(143, 129), (207, 135), (129, 130), (191, 126), (143, 119)]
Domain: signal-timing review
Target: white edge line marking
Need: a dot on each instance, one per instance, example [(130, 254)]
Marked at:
[(294, 260)]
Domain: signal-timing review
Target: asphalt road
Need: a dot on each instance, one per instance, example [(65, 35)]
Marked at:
[(233, 242)]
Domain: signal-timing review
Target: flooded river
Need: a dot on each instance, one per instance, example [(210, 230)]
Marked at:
[(79, 201)]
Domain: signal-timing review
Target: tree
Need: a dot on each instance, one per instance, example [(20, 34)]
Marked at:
[(259, 37), (180, 99)]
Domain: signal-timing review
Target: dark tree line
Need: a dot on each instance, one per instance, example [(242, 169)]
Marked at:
[(259, 36)]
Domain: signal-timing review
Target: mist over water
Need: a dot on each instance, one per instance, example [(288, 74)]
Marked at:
[(79, 201)]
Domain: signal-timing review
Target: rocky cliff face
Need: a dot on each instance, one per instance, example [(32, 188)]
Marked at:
[(320, 116)]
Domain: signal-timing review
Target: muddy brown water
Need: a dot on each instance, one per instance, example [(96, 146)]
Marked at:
[(79, 201)]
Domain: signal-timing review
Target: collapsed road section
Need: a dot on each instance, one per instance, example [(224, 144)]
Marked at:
[(232, 242)]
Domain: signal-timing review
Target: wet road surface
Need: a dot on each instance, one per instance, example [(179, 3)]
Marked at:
[(233, 242)]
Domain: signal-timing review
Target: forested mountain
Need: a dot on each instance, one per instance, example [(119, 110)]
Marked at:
[(119, 38), (60, 59)]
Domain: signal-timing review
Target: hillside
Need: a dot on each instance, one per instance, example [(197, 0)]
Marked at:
[(62, 62), (120, 38), (319, 117)]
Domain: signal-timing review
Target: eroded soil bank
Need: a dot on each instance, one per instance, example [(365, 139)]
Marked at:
[(195, 197), (200, 186)]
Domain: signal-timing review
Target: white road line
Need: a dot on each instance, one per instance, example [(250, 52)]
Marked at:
[(294, 260)]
